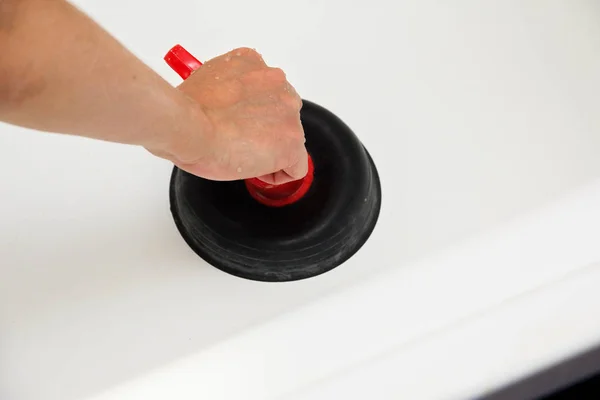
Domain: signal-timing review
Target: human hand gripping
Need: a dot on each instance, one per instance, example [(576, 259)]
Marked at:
[(252, 122), (233, 118)]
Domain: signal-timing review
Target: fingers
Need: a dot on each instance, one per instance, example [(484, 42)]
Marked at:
[(264, 80), (276, 178), (297, 170), (285, 176)]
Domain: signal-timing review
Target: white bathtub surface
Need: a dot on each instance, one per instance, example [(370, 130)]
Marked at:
[(483, 121)]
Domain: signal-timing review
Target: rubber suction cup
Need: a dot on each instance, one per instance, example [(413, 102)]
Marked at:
[(235, 233), (286, 232)]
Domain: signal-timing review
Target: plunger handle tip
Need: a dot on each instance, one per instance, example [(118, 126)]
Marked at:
[(181, 61)]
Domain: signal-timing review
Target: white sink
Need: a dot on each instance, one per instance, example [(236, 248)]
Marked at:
[(484, 122)]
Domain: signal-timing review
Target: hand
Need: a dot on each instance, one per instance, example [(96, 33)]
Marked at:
[(252, 122)]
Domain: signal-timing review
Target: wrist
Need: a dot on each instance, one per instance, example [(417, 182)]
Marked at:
[(181, 133)]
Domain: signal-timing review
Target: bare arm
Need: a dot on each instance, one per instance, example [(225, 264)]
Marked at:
[(61, 72)]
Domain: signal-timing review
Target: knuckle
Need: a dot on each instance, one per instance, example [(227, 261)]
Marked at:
[(288, 143), (288, 157), (242, 50), (276, 74), (292, 100), (294, 130), (246, 51), (293, 158)]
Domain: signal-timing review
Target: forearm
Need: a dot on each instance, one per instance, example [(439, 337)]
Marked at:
[(60, 72)]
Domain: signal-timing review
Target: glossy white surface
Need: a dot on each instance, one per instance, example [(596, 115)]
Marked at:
[(494, 309), (475, 114)]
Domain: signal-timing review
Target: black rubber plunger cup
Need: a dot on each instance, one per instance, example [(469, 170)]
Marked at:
[(231, 230)]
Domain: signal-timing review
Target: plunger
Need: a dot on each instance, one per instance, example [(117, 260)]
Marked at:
[(286, 232)]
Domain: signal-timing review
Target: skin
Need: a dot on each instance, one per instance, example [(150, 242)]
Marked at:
[(234, 118)]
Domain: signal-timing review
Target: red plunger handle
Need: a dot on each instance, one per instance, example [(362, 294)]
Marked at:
[(184, 64), (181, 61)]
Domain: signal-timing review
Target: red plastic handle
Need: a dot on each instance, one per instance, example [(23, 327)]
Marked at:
[(181, 61), (184, 64)]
